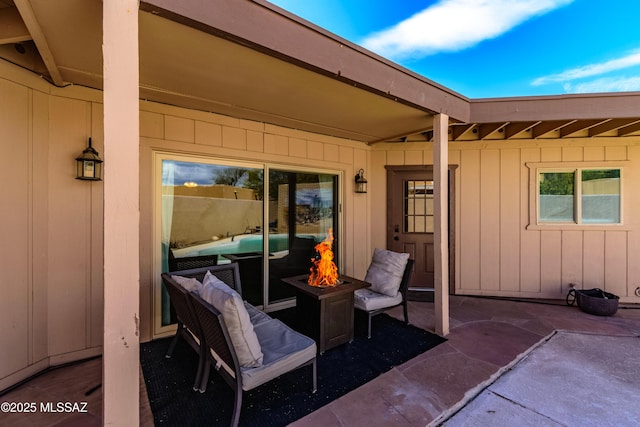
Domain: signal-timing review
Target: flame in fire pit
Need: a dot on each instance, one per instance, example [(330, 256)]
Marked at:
[(324, 271)]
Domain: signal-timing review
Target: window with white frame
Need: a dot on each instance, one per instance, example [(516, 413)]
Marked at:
[(579, 196)]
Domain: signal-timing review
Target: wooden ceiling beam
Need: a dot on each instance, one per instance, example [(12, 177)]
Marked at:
[(580, 126), (538, 129), (487, 129), (629, 129), (30, 21), (428, 135), (611, 125), (12, 28), (512, 129), (459, 130), (546, 127), (404, 135)]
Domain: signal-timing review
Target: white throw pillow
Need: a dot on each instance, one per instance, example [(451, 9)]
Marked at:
[(386, 270), (228, 302), (191, 284)]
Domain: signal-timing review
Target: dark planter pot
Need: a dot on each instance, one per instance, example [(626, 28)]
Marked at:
[(596, 301)]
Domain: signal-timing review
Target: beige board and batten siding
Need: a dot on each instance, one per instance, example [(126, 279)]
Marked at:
[(169, 129), (497, 252), (51, 310)]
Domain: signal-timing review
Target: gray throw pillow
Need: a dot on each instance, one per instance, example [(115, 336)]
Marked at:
[(228, 302), (386, 270), (191, 284)]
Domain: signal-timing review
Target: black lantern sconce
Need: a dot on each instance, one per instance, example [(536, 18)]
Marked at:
[(361, 182), (89, 165)]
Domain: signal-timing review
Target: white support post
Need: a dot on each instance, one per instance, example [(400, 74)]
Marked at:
[(441, 220), (121, 361)]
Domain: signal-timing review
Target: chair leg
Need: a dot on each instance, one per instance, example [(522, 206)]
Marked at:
[(174, 341), (237, 407), (369, 316), (202, 361), (315, 376), (204, 380), (406, 312)]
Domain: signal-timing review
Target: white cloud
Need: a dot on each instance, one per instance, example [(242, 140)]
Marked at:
[(609, 84), (630, 60), (452, 25)]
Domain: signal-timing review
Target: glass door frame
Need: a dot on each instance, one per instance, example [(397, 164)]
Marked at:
[(158, 156)]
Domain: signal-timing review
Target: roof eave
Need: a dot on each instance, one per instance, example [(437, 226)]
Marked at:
[(559, 107), (297, 41)]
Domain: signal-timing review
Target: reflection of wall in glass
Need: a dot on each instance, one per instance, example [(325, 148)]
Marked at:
[(215, 191), (200, 219), (601, 196), (198, 199)]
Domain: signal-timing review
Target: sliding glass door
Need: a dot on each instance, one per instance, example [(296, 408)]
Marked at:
[(302, 210), (214, 212)]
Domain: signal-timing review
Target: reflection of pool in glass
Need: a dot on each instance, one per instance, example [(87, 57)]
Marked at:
[(242, 243)]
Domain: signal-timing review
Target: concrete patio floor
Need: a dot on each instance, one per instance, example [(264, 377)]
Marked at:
[(572, 379), (487, 337), (486, 347)]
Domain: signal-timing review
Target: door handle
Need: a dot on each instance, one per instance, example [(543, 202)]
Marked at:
[(396, 228), (396, 238)]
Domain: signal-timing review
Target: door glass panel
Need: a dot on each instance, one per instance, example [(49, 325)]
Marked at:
[(212, 214), (601, 196), (418, 202), (556, 196), (302, 209)]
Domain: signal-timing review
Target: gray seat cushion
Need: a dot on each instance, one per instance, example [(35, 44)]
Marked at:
[(368, 300), (283, 348)]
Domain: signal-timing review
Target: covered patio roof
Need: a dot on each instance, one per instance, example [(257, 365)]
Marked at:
[(193, 56), (295, 74)]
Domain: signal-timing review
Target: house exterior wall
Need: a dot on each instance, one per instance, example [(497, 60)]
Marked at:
[(51, 310), (171, 129), (51, 226), (498, 251)]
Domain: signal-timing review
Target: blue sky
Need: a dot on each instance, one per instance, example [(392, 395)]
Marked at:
[(495, 48)]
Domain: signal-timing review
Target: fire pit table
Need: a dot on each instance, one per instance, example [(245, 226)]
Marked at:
[(326, 313)]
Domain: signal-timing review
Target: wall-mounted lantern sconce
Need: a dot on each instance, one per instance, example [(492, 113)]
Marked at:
[(361, 182), (89, 165)]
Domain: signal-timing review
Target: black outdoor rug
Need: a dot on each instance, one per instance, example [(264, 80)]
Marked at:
[(281, 401)]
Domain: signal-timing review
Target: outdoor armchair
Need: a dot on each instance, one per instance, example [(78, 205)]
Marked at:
[(178, 285), (245, 345), (390, 274), (282, 348)]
